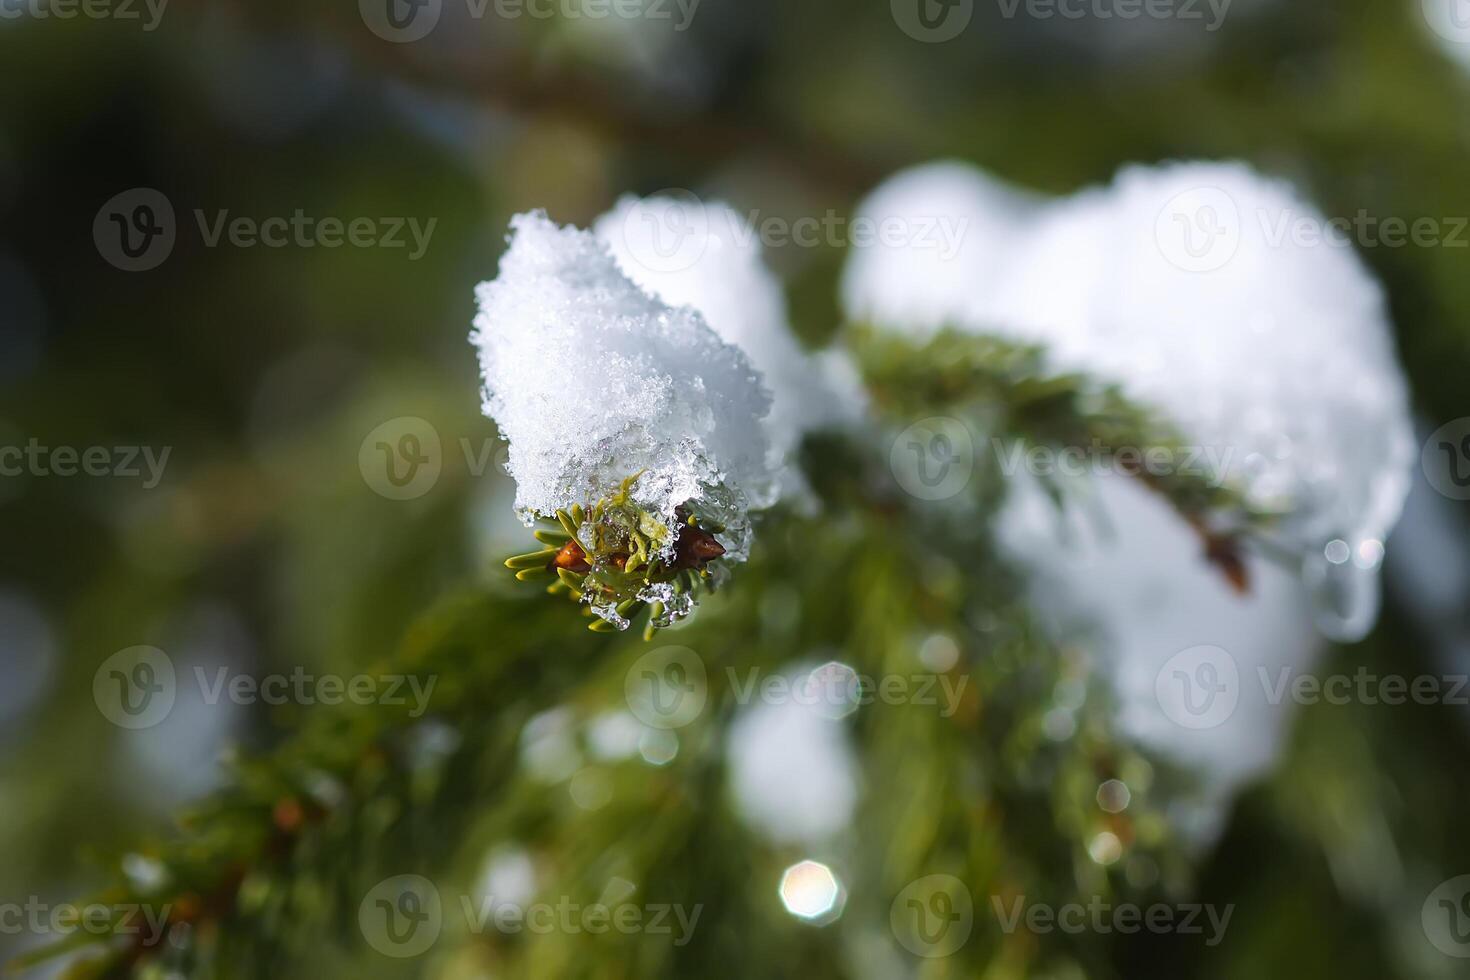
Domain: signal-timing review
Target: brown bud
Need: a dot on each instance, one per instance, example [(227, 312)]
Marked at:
[(288, 815), (694, 547), (572, 558), (1224, 554), (187, 907)]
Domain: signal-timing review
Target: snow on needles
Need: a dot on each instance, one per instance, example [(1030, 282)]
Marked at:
[(592, 380), (706, 255), (899, 284), (1200, 289), (1203, 289)]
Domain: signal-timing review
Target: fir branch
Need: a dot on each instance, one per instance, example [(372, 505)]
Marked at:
[(617, 560), (284, 855), (1007, 390)]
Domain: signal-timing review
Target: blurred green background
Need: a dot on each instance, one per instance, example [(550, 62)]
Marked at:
[(263, 369)]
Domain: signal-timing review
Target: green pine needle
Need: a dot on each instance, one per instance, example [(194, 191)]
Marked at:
[(535, 559), (626, 549)]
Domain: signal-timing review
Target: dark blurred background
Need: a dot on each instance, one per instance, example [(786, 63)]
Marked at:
[(261, 370)]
